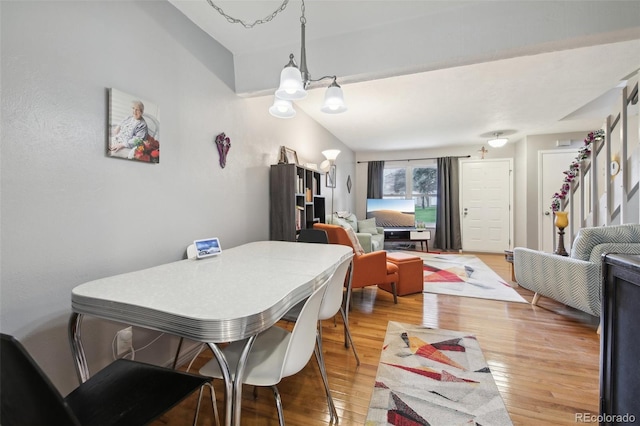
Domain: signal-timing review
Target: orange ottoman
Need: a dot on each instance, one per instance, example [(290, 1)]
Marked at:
[(411, 274)]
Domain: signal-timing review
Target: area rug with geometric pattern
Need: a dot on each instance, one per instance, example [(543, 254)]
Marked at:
[(464, 275), (434, 377)]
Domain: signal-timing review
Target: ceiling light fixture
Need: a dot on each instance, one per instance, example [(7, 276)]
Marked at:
[(294, 82), (282, 108), (497, 141)]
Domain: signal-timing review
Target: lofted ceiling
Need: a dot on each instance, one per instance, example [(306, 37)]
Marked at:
[(428, 73)]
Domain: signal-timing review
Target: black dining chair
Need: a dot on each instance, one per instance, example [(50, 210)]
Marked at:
[(123, 393), (313, 236)]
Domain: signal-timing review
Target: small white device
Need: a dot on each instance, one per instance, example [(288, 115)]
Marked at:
[(207, 247)]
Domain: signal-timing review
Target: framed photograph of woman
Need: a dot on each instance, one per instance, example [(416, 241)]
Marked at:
[(134, 128)]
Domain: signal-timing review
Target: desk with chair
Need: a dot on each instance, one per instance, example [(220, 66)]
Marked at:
[(226, 298)]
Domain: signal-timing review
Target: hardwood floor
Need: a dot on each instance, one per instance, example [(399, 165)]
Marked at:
[(544, 359)]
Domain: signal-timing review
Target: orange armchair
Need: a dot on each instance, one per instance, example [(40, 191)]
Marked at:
[(368, 268)]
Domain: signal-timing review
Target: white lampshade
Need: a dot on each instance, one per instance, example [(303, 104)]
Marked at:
[(282, 108), (497, 142), (291, 87), (333, 100), (331, 154), (325, 166)]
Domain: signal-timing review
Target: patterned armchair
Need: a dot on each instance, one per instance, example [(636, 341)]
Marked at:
[(575, 280)]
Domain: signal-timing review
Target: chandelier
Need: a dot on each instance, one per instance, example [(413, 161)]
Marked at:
[(294, 80)]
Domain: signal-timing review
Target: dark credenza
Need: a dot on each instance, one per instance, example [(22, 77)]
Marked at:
[(620, 341)]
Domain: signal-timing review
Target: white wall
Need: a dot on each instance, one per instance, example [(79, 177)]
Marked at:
[(70, 214)]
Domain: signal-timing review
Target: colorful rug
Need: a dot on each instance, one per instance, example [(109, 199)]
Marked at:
[(464, 275), (434, 377)]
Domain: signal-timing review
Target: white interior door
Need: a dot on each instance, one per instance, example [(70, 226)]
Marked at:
[(551, 165), (486, 194)]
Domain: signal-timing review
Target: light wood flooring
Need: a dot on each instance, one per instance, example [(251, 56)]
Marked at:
[(544, 359)]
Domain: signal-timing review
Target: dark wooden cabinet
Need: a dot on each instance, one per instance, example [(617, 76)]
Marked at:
[(620, 346), (296, 200)]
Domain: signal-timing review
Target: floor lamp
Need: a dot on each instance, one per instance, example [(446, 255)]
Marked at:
[(329, 167)]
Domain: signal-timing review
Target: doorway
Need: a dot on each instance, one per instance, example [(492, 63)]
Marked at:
[(486, 196)]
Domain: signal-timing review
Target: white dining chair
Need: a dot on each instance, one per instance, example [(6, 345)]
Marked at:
[(320, 236), (276, 353), (331, 304)]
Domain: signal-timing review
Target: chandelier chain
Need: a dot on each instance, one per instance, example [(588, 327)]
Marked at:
[(266, 19)]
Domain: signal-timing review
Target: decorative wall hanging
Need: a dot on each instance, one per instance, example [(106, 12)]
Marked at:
[(349, 184), (134, 128), (482, 152), (224, 144)]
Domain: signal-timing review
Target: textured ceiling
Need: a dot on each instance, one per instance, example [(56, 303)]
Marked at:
[(423, 74)]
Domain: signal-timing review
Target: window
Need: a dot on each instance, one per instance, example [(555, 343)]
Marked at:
[(418, 182), (395, 182)]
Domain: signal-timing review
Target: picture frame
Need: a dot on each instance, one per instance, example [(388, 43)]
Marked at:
[(292, 156), (133, 127), (330, 177)]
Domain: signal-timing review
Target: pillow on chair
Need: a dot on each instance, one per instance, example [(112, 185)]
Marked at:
[(368, 226)]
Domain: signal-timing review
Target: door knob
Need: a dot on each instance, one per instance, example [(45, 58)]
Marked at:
[(547, 213)]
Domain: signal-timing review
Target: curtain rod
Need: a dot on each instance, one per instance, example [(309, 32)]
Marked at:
[(417, 159)]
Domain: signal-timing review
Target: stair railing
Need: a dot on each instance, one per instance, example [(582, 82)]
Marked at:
[(601, 186)]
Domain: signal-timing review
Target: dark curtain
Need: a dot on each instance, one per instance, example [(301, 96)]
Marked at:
[(375, 179), (448, 235)]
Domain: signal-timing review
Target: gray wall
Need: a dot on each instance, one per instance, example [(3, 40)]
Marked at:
[(70, 214)]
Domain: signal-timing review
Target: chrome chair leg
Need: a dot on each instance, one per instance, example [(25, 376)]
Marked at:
[(213, 404), (333, 412), (345, 311), (347, 335), (276, 395)]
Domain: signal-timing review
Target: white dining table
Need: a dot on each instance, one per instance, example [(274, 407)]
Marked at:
[(229, 297)]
